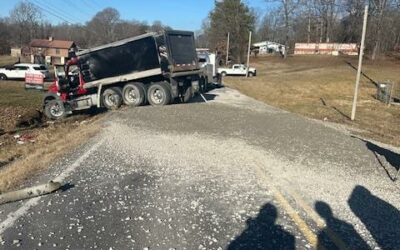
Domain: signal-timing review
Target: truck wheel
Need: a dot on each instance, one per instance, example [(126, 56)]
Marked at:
[(251, 74), (206, 85), (112, 98), (3, 77), (133, 94), (223, 73), (54, 109), (202, 85), (158, 94), (188, 94)]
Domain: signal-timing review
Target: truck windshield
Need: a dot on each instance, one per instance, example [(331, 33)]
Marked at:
[(182, 48)]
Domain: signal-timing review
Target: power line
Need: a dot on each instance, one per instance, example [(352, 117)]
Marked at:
[(90, 4), (51, 11), (64, 9), (79, 8), (61, 18)]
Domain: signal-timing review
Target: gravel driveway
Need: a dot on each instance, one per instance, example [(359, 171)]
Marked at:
[(229, 173)]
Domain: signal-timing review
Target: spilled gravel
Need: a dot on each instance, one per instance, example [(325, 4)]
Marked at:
[(183, 177)]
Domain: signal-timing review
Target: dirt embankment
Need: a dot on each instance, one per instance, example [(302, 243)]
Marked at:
[(26, 151), (28, 141)]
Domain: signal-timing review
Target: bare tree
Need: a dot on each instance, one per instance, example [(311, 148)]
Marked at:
[(288, 8), (102, 26), (4, 35), (26, 17), (378, 11)]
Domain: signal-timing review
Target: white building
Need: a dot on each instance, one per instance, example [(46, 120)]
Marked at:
[(267, 47)]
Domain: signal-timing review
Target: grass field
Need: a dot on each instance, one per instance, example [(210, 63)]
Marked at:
[(15, 101), (322, 87), (19, 162)]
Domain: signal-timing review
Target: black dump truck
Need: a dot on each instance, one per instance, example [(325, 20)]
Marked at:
[(150, 68)]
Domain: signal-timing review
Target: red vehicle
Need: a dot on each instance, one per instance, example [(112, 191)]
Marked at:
[(153, 68)]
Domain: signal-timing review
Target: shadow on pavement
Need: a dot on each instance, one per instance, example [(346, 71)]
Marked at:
[(380, 218), (66, 187), (392, 158), (337, 233), (262, 232)]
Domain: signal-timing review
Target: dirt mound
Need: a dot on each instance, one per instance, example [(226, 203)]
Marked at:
[(12, 118), (31, 118)]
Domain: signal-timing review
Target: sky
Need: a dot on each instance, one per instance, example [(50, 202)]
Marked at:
[(178, 14)]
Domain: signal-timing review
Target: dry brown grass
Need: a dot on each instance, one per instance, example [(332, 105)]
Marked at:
[(19, 162), (50, 142), (322, 87)]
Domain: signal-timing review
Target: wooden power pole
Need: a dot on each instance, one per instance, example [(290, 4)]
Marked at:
[(360, 59), (248, 56), (227, 50)]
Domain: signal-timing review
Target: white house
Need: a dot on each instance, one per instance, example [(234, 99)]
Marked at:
[(267, 47)]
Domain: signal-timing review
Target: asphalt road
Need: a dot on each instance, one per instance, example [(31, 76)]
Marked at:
[(229, 173)]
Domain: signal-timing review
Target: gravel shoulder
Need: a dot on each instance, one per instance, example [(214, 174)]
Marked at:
[(183, 177)]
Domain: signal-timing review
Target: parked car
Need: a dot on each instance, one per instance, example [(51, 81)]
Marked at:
[(237, 70), (18, 71)]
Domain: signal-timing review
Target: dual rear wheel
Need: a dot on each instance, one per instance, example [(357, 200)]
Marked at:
[(136, 94)]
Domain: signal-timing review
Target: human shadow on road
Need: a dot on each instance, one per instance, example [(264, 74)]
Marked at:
[(337, 234), (262, 232), (380, 218)]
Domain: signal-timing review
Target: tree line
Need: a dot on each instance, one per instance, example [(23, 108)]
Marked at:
[(284, 21), (312, 21), (26, 22)]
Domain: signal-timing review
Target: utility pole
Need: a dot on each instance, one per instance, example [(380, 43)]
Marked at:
[(227, 50), (360, 59), (248, 56), (309, 29)]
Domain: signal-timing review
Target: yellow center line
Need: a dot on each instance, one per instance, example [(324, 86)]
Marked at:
[(317, 219), (311, 237), (300, 223)]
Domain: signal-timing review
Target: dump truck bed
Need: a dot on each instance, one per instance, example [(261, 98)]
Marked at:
[(124, 60)]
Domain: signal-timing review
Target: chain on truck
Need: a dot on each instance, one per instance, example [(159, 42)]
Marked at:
[(150, 68)]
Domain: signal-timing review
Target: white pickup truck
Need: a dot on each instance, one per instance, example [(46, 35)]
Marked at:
[(237, 70)]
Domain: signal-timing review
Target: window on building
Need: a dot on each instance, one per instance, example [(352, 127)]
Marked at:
[(57, 51)]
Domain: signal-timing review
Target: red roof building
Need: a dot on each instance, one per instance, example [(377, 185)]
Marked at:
[(50, 51)]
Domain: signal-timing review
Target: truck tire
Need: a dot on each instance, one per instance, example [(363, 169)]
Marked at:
[(223, 73), (202, 85), (251, 74), (111, 98), (206, 83), (54, 109), (188, 95), (133, 94), (3, 77), (158, 94)]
